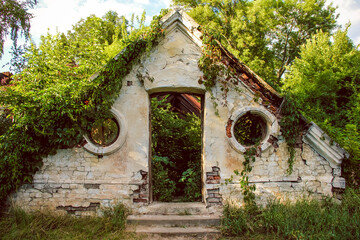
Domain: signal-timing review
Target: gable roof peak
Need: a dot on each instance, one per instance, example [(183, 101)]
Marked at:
[(177, 17), (178, 14)]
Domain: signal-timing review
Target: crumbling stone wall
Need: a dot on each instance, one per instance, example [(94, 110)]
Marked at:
[(77, 182), (313, 175)]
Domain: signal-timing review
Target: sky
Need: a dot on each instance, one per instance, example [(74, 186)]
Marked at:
[(59, 15)]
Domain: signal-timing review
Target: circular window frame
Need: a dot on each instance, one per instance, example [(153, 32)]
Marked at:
[(269, 119), (119, 142)]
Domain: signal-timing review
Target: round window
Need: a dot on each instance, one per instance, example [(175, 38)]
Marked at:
[(250, 129), (105, 133), (251, 126), (107, 136)]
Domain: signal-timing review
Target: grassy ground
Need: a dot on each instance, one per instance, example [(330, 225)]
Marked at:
[(305, 219), (16, 224)]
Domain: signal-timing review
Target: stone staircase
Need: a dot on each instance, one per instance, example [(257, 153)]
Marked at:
[(176, 221)]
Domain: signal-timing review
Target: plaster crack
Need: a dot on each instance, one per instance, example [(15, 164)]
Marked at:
[(301, 155)]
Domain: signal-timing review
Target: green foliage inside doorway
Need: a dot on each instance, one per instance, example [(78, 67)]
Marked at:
[(176, 153)]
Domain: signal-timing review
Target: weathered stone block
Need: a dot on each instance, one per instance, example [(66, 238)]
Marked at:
[(339, 182), (337, 172)]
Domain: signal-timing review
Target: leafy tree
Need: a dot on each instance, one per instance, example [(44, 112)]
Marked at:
[(264, 34), (325, 83), (14, 19), (104, 29)]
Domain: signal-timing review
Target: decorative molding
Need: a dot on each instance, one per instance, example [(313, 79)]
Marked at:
[(325, 146)]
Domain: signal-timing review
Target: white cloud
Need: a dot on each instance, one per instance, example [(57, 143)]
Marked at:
[(166, 2), (61, 15), (349, 11), (144, 2)]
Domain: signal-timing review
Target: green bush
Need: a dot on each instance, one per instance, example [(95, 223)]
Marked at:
[(5, 121), (192, 180), (164, 187)]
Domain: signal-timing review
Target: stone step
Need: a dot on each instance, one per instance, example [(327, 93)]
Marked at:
[(177, 208), (174, 220), (176, 232)]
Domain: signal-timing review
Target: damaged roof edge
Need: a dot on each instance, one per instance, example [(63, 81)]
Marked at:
[(178, 15), (325, 146), (242, 65)]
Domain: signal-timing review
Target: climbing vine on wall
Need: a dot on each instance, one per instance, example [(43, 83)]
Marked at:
[(291, 127), (53, 107), (216, 69)]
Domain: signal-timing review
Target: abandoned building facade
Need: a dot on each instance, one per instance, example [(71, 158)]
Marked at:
[(83, 179)]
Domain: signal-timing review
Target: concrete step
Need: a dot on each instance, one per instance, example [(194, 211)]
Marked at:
[(174, 220), (176, 232), (177, 208)]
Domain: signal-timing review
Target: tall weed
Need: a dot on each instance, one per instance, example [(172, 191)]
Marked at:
[(18, 224), (305, 219)]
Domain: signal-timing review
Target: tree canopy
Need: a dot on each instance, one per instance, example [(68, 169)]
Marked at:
[(14, 19), (324, 81), (264, 34)]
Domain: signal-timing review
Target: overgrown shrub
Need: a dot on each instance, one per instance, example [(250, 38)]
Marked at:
[(5, 121), (192, 180), (164, 187)]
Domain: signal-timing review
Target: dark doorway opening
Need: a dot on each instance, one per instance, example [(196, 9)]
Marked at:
[(176, 147)]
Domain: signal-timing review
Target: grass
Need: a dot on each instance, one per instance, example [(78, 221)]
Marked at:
[(17, 224), (306, 219)]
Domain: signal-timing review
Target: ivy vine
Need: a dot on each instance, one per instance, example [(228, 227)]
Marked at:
[(216, 69), (45, 123), (291, 126)]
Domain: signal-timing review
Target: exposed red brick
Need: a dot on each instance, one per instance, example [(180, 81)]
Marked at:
[(213, 178), (244, 76), (5, 78), (212, 181), (228, 128)]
